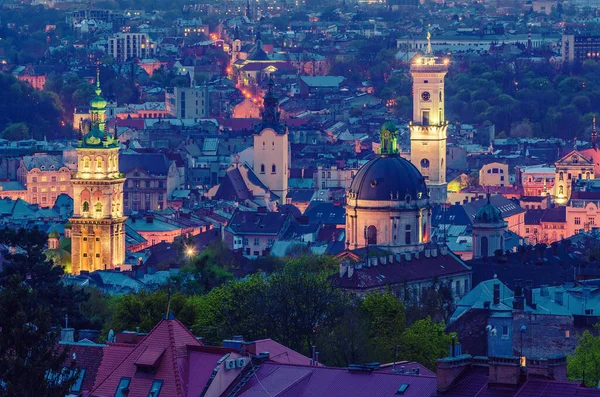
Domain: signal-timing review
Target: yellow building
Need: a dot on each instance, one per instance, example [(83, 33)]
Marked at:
[(387, 202), (45, 177), (570, 168), (428, 130), (98, 224), (494, 174), (271, 148)]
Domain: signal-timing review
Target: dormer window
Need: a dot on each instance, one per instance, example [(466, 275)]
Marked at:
[(123, 387)]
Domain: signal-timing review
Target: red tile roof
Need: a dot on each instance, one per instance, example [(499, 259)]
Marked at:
[(277, 352), (87, 357), (278, 380), (169, 337)]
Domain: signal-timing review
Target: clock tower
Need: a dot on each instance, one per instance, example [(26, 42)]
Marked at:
[(428, 130)]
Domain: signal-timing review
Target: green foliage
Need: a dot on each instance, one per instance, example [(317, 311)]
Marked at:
[(209, 269), (385, 317), (40, 111), (146, 309), (28, 349), (425, 342), (16, 132), (583, 365)]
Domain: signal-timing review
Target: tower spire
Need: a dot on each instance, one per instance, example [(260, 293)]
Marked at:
[(98, 90), (388, 135), (594, 134), (428, 50)]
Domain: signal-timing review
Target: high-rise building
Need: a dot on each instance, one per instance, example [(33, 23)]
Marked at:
[(187, 102), (428, 130), (98, 224), (271, 147), (124, 46)]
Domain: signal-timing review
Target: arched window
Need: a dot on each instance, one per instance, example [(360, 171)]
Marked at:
[(561, 176), (99, 164), (587, 175), (425, 238), (440, 96), (85, 207), (424, 163), (273, 145), (273, 169), (484, 246), (264, 145), (262, 168), (372, 235), (98, 208), (561, 190), (407, 235), (86, 163)]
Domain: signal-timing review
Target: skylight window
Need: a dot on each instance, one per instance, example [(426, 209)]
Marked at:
[(155, 389), (123, 385)]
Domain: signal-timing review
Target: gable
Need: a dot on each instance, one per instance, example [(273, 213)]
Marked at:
[(574, 158)]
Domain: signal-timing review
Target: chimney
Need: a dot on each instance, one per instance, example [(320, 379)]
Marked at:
[(443, 250), (427, 252), (518, 289), (496, 294), (398, 257), (382, 260), (343, 268), (529, 293), (557, 367), (544, 290), (505, 370), (373, 261), (434, 252), (407, 256), (67, 335), (391, 259), (450, 368), (558, 297)]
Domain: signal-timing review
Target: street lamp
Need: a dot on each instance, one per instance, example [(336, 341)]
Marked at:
[(190, 252), (523, 330)]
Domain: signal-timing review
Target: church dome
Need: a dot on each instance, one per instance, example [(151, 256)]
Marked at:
[(388, 176), (489, 213), (53, 234), (98, 102)]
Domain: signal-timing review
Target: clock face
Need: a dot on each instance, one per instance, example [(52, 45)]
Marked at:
[(426, 96)]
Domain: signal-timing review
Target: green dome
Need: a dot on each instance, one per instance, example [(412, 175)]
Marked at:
[(53, 234), (489, 213), (94, 137), (98, 102), (68, 225)]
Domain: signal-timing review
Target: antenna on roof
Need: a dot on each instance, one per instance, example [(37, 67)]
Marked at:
[(167, 314)]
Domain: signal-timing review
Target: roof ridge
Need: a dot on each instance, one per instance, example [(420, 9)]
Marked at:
[(178, 385)]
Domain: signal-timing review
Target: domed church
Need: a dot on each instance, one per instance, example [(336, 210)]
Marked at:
[(388, 202)]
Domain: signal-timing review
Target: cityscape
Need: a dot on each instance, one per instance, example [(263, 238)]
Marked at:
[(291, 198)]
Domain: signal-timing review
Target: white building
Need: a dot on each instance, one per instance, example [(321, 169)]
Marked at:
[(126, 46)]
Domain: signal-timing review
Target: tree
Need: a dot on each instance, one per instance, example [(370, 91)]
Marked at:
[(209, 269), (145, 309), (29, 354), (425, 342), (26, 260), (584, 364), (16, 132), (385, 317), (521, 129)]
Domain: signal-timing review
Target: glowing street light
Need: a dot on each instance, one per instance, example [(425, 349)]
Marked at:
[(190, 251)]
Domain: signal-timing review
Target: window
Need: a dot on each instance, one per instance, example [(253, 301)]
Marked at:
[(63, 188), (577, 220), (97, 255), (457, 287), (424, 163), (561, 190), (407, 234), (76, 388), (44, 179), (371, 235), (262, 168), (502, 177), (155, 388), (425, 117), (505, 331), (273, 169), (123, 385), (466, 285), (484, 246), (323, 174), (256, 242), (85, 207), (53, 179), (592, 220), (245, 240), (526, 230)]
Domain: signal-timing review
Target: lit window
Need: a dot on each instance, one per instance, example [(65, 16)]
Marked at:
[(567, 334), (44, 179)]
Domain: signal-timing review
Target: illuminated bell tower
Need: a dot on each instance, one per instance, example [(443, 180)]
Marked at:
[(236, 46), (428, 130), (98, 224)]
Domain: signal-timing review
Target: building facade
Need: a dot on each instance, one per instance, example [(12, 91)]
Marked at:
[(428, 129), (272, 148), (124, 46), (494, 174), (98, 224), (488, 231), (579, 48), (388, 202), (572, 167), (45, 177), (187, 102)]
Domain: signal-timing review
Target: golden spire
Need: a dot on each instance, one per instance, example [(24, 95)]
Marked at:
[(428, 51)]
